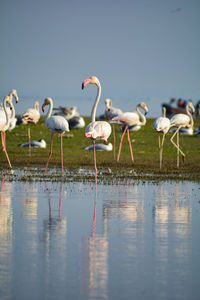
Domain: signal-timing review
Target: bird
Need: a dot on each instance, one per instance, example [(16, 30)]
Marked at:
[(129, 119), (76, 122), (13, 93), (109, 114), (96, 130), (100, 147), (55, 124), (5, 123), (162, 124), (179, 121), (34, 144), (66, 112), (32, 115)]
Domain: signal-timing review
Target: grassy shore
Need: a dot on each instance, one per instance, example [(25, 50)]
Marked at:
[(145, 149)]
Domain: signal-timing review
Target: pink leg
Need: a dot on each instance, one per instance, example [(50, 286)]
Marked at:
[(49, 155), (113, 126), (130, 146), (95, 165), (120, 145), (29, 137), (3, 141), (61, 153)]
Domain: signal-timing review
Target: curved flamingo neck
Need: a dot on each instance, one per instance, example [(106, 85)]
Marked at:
[(190, 116), (164, 112), (5, 110), (142, 117), (50, 109), (12, 110), (93, 113)]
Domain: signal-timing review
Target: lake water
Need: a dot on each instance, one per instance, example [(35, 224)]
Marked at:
[(127, 241)]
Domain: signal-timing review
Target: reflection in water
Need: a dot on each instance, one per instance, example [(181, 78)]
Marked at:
[(95, 262), (6, 237), (54, 248), (133, 241)]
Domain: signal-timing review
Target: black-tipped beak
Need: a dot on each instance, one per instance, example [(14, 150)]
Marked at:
[(82, 86), (43, 107), (145, 113)]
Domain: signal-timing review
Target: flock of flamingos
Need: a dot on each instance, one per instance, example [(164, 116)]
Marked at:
[(95, 130)]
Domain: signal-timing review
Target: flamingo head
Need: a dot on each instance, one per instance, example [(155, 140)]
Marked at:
[(144, 107), (14, 94), (46, 102), (108, 102), (191, 106), (91, 80)]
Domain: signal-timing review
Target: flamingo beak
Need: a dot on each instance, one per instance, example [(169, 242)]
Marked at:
[(43, 107), (85, 82)]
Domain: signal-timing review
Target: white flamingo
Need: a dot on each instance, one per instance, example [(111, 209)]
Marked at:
[(179, 121), (96, 130), (5, 123), (109, 114), (32, 115), (162, 124), (55, 124), (130, 119)]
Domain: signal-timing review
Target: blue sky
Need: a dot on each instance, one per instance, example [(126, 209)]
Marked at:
[(137, 48)]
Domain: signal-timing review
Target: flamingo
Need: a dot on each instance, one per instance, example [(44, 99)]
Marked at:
[(96, 130), (162, 124), (55, 124), (34, 144), (5, 123), (129, 119), (179, 121), (32, 115), (109, 114), (100, 147)]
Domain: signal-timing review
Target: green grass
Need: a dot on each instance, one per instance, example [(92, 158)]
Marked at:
[(145, 150)]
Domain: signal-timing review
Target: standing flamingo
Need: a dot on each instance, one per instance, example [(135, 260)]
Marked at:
[(130, 119), (55, 124), (179, 121), (32, 115), (96, 130), (109, 114), (162, 124), (5, 123)]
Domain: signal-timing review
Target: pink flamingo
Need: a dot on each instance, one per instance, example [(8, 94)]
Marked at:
[(55, 124), (96, 130), (32, 115), (5, 120), (130, 119)]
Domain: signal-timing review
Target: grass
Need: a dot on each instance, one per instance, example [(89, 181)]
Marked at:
[(145, 149)]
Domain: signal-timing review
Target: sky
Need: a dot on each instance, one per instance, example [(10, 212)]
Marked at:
[(139, 50)]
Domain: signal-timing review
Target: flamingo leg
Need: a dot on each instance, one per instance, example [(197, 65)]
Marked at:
[(95, 165), (29, 137), (3, 141), (177, 145), (120, 145), (177, 140), (113, 126), (61, 153), (161, 148), (51, 151), (130, 146)]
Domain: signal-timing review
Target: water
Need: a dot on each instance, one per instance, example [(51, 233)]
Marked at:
[(124, 241)]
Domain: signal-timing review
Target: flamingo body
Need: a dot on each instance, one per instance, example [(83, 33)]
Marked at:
[(129, 119), (96, 130), (55, 124)]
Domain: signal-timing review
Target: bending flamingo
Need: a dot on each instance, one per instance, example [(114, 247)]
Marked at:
[(5, 123), (55, 124), (96, 130), (179, 121), (32, 115), (130, 119), (162, 124)]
